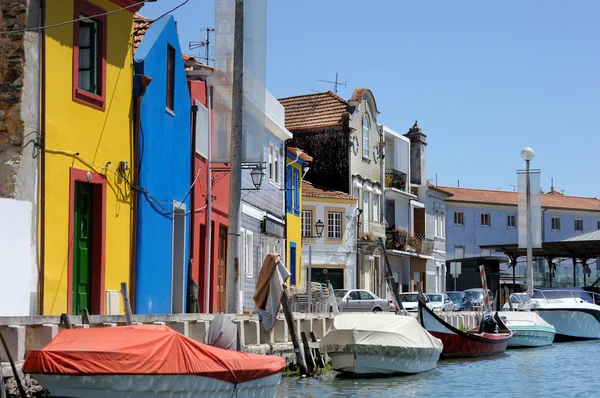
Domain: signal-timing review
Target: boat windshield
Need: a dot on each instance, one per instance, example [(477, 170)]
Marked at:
[(566, 293), (435, 297), (340, 293), (455, 297), (519, 299)]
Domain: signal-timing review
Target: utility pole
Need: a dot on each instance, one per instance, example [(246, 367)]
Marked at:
[(232, 284)]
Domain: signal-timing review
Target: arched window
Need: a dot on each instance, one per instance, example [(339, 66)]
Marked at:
[(366, 127)]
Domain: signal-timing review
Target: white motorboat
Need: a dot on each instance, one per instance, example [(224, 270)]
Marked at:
[(148, 360), (380, 344), (572, 311), (528, 328)]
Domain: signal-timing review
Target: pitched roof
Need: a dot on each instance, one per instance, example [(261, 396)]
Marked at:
[(140, 27), (314, 191), (470, 195), (313, 110), (435, 188)]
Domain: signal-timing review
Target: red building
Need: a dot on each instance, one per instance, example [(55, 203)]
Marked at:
[(208, 265)]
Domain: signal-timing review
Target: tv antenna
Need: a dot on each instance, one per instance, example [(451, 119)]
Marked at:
[(206, 43), (514, 187), (336, 83)]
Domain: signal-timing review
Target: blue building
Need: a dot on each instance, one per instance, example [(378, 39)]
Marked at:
[(163, 171), (477, 217)]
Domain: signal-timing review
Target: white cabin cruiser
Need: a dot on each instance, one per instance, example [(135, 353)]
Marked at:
[(572, 311), (380, 344), (529, 329)]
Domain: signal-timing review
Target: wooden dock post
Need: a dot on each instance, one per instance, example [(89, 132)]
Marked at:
[(298, 349), (85, 317), (13, 367), (64, 319), (126, 304)]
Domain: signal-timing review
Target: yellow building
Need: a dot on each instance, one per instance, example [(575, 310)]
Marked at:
[(295, 166), (87, 157)]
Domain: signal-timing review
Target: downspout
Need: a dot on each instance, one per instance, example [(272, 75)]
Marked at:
[(191, 308), (42, 170), (208, 202), (144, 81)]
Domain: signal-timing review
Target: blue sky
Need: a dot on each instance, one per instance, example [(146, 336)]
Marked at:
[(484, 79)]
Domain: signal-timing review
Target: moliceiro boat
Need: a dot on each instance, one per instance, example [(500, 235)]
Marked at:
[(148, 360), (573, 312), (380, 344), (528, 328), (490, 338)]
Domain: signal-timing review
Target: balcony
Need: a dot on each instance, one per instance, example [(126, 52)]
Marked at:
[(395, 179), (376, 231), (401, 240)]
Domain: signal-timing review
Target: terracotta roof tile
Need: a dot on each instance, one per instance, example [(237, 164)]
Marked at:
[(140, 26), (470, 195), (313, 110), (314, 191)]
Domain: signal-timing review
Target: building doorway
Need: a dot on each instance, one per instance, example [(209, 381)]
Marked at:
[(334, 275), (178, 259), (222, 261), (83, 247)]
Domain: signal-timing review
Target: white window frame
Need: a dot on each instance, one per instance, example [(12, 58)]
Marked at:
[(457, 215), (553, 221), (575, 222), (482, 218), (514, 219), (335, 220), (366, 127), (435, 224), (309, 224), (442, 228), (376, 206), (458, 249), (249, 253), (274, 173), (366, 213)]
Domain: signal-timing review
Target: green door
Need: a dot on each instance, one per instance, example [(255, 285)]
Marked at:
[(82, 247)]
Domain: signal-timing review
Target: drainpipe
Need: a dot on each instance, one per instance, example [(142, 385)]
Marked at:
[(194, 109), (42, 170), (144, 81), (208, 202)]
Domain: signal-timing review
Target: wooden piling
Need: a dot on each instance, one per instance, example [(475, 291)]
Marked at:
[(126, 304), (289, 317), (85, 317), (64, 319), (2, 388), (13, 367)]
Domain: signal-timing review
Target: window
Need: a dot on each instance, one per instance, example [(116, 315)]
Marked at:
[(296, 192), (598, 224), (89, 55), (511, 221), (365, 213), (555, 224), (289, 188), (355, 295), (578, 224), (249, 260), (170, 78), (442, 229), (274, 164), (366, 295), (334, 225), (485, 220), (376, 201), (366, 128), (458, 218), (486, 252), (439, 224), (307, 223), (459, 252), (357, 192)]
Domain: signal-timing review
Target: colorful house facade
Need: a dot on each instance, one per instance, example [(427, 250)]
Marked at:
[(296, 166), (85, 214), (163, 172)]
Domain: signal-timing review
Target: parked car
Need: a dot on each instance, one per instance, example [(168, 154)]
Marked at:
[(458, 299), (357, 300), (440, 302), (475, 297), (410, 303)]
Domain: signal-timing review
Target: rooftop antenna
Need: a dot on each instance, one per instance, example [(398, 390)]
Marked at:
[(514, 187), (206, 43), (336, 83), (552, 184), (458, 183)]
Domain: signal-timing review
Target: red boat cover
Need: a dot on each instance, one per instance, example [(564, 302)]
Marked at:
[(145, 350)]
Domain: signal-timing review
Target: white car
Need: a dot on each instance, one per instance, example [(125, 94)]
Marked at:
[(358, 300), (440, 302), (410, 302)]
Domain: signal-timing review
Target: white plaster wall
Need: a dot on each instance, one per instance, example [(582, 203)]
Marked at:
[(16, 279)]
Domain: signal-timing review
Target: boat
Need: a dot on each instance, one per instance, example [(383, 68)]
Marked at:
[(572, 311), (528, 328), (148, 360), (380, 344), (490, 338)]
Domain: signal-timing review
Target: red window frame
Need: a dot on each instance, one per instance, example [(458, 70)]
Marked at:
[(79, 95)]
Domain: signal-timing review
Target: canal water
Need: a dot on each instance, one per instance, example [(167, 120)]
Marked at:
[(562, 369)]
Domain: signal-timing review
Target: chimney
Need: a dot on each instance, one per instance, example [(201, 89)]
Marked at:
[(418, 158)]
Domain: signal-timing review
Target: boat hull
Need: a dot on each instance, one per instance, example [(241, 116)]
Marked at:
[(459, 344), (362, 364), (573, 323), (139, 386), (524, 336)]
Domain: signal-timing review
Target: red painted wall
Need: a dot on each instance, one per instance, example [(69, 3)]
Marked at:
[(220, 181)]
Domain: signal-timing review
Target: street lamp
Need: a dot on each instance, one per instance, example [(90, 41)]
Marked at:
[(319, 227), (527, 154), (257, 175)]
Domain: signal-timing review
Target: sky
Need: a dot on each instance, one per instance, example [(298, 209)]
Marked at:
[(483, 79)]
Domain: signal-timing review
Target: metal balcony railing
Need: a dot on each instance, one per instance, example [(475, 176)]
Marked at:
[(395, 179)]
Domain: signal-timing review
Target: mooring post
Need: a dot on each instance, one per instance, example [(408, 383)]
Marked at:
[(126, 304), (13, 367), (289, 317)]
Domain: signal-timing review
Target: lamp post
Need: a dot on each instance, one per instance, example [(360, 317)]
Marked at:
[(319, 226), (527, 154)]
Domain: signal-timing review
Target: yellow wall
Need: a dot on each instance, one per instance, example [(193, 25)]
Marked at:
[(294, 230), (99, 137)]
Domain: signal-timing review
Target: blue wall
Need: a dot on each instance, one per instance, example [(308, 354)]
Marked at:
[(165, 156)]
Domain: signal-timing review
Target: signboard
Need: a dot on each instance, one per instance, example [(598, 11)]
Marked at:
[(536, 209), (273, 228), (455, 269)]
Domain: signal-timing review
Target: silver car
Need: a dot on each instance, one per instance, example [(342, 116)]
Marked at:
[(358, 300), (440, 302)]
